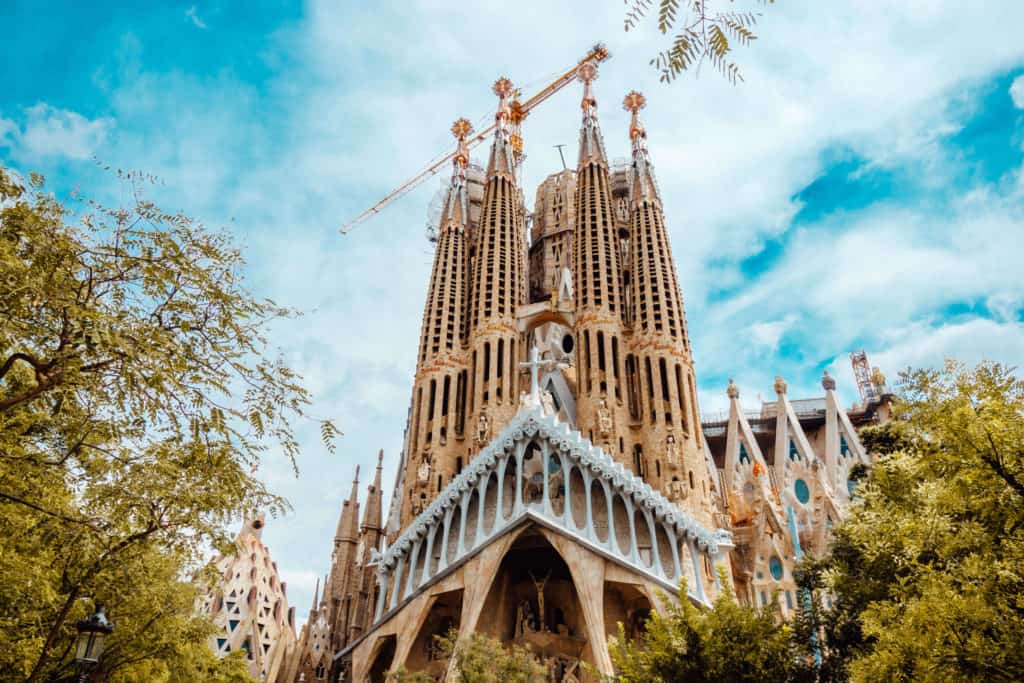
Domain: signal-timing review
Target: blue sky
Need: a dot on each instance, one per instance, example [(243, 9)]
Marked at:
[(862, 188)]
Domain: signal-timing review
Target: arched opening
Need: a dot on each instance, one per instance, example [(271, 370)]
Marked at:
[(577, 497), (436, 549), (425, 654), (620, 522), (664, 550), (490, 503), (421, 561), (533, 602), (625, 604), (451, 552), (643, 538), (472, 519), (556, 484), (508, 489), (382, 660), (533, 474), (599, 510)]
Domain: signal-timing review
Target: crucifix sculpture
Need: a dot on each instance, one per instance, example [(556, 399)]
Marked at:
[(540, 598)]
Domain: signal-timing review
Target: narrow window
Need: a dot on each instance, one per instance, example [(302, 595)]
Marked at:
[(650, 389), (416, 418), (632, 387), (499, 368), (638, 460), (460, 403), (665, 402), (512, 368), (485, 384), (615, 368), (586, 353)]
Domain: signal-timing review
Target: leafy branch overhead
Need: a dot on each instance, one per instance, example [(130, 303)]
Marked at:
[(701, 33)]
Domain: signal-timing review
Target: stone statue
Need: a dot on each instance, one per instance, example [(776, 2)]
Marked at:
[(540, 598), (675, 490), (548, 403), (604, 418), (483, 429), (671, 451), (524, 618), (426, 465)]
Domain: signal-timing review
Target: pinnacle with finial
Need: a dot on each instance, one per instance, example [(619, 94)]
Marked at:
[(732, 391), (828, 383)]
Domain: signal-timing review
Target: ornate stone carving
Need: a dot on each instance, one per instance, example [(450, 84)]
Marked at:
[(671, 451), (828, 383), (483, 429)]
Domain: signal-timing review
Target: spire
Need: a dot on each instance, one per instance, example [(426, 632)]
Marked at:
[(644, 186), (372, 515), (591, 142), (316, 596), (502, 160), (347, 522), (456, 204)]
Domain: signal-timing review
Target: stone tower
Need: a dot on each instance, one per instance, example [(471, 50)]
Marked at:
[(337, 593), (438, 421), (662, 390), (601, 411), (498, 286), (249, 606)]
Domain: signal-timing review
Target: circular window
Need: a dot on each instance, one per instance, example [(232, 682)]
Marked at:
[(803, 494), (568, 344), (775, 567)]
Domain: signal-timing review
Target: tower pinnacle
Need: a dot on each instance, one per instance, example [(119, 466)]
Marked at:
[(591, 142), (644, 187), (456, 208), (502, 160)]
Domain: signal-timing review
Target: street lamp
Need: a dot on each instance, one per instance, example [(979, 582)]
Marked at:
[(92, 635)]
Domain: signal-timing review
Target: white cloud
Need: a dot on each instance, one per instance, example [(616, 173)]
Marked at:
[(767, 335), (1017, 92), (193, 16), (51, 132)]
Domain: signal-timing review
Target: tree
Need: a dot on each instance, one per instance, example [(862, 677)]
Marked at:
[(701, 34), (136, 402), (727, 643), (925, 573), (481, 659)]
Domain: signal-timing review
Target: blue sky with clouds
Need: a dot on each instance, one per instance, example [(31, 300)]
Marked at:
[(863, 188)]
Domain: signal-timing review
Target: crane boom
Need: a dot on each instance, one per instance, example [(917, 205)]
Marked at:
[(520, 110)]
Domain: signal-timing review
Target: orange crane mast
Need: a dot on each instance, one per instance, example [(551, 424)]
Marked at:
[(520, 110)]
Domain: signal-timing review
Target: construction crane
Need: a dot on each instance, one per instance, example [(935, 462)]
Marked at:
[(520, 110), (870, 381)]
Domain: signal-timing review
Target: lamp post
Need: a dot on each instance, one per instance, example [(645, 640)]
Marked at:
[(92, 635)]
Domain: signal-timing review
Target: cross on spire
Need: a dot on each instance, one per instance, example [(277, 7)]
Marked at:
[(536, 365)]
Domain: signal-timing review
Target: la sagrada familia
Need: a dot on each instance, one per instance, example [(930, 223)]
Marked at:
[(556, 476)]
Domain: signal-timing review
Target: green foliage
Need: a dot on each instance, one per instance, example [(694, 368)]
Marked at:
[(926, 573), (702, 34), (481, 659), (135, 406), (728, 643)]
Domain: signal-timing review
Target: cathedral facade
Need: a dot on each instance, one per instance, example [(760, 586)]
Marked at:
[(556, 477)]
